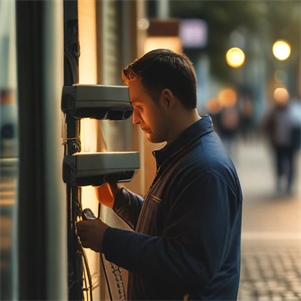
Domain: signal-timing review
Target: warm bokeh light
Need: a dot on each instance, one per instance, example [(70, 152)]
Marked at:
[(235, 57), (281, 96), (281, 50), (172, 43), (213, 106), (88, 75), (143, 24), (87, 37), (87, 65), (227, 97)]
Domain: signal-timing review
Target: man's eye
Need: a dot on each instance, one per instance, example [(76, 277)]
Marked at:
[(140, 108)]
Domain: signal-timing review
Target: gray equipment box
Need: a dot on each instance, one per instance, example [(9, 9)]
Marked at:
[(96, 101), (84, 169)]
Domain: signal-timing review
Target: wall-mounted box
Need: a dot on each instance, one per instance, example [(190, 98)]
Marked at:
[(96, 101), (84, 169)]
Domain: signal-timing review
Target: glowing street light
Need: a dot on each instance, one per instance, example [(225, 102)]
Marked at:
[(281, 50), (235, 57)]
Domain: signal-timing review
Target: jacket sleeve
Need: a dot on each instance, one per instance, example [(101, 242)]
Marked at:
[(127, 206), (195, 242)]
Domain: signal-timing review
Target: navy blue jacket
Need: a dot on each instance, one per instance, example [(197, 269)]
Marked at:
[(187, 229)]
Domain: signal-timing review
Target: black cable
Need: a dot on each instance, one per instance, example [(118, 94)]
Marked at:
[(105, 272), (98, 214)]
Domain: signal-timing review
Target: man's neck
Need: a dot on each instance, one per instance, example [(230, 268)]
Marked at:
[(182, 122)]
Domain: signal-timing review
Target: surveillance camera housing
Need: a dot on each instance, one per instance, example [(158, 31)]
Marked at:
[(96, 101), (82, 169)]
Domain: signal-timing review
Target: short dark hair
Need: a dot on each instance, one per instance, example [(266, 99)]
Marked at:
[(162, 68)]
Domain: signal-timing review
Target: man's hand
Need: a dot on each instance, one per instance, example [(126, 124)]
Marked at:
[(91, 233), (106, 193)]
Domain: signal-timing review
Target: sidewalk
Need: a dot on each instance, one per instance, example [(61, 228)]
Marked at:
[(271, 256)]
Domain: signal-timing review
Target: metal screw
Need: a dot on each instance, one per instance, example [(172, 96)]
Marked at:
[(75, 147)]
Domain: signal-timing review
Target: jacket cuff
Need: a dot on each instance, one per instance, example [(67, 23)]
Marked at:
[(120, 199)]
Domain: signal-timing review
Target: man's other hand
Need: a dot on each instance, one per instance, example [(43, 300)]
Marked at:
[(106, 194), (91, 233)]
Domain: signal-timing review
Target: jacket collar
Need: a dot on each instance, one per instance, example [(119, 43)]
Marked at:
[(196, 130)]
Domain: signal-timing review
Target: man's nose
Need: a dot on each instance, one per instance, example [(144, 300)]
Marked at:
[(136, 117)]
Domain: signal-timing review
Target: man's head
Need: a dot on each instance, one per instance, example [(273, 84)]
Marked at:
[(164, 69), (162, 90)]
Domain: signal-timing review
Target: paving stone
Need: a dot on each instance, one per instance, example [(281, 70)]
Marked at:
[(276, 298), (270, 271), (263, 298)]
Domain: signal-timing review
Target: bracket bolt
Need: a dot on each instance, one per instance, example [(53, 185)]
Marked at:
[(75, 147)]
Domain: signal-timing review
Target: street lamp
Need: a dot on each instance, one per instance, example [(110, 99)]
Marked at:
[(235, 57), (281, 50)]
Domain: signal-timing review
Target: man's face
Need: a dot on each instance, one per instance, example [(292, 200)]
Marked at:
[(148, 113)]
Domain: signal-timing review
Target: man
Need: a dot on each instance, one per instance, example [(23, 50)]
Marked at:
[(186, 243)]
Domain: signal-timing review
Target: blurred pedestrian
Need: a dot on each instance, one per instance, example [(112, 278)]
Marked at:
[(295, 115), (246, 118), (227, 122), (280, 128)]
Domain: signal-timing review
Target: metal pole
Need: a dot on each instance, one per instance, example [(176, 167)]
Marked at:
[(53, 51), (41, 223), (31, 200), (72, 144)]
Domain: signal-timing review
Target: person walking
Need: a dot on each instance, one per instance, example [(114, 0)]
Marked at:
[(279, 126)]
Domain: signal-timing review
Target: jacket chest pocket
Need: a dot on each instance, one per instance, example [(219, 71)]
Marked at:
[(152, 219)]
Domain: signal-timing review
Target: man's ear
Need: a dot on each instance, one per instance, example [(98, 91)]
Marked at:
[(168, 98)]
